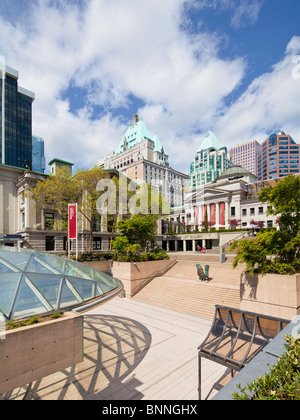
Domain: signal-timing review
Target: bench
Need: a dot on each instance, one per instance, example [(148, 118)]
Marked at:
[(236, 336)]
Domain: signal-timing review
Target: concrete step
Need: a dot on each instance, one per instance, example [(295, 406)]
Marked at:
[(189, 295)]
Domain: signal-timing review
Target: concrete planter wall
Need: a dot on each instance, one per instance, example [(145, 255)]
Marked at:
[(271, 294), (133, 275), (30, 353), (99, 265)]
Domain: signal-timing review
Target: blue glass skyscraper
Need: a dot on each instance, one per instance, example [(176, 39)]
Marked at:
[(15, 120), (38, 156)]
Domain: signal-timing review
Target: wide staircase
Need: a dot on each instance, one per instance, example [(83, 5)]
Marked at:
[(180, 289)]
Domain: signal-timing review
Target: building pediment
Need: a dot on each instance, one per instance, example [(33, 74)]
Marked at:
[(206, 194)]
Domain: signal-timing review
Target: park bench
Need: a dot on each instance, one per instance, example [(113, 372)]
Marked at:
[(236, 337)]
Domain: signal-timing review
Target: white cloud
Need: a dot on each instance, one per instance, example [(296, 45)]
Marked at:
[(271, 102), (246, 12), (113, 49), (137, 47)]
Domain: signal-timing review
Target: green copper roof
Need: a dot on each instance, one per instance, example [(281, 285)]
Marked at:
[(157, 144), (210, 142), (137, 133)]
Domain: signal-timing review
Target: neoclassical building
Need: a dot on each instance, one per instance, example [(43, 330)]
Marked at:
[(23, 224), (231, 198)]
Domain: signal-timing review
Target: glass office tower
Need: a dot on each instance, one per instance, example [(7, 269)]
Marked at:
[(280, 157), (38, 156), (15, 121)]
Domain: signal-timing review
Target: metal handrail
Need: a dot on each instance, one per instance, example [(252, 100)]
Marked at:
[(99, 301), (157, 273)]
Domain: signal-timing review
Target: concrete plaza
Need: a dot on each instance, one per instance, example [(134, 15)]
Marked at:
[(134, 351)]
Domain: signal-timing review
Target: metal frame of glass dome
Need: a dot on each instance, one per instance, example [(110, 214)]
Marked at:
[(33, 282)]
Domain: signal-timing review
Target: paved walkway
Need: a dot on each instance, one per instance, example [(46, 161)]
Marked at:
[(134, 351)]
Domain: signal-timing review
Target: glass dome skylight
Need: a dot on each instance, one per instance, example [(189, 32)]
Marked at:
[(33, 282)]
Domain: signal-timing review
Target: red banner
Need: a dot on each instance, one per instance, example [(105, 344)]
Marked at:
[(72, 221)]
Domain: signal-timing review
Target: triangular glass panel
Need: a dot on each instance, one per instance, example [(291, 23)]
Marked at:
[(27, 303), (53, 261), (6, 267), (37, 265), (8, 287), (106, 280), (67, 298), (16, 259), (48, 285), (99, 291), (75, 269), (85, 288)]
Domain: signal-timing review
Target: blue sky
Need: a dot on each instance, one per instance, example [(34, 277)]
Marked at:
[(230, 66)]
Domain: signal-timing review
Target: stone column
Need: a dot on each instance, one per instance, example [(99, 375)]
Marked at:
[(208, 213), (217, 213), (226, 212)]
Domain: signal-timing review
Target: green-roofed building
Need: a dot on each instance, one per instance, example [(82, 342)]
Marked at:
[(142, 158), (210, 161)]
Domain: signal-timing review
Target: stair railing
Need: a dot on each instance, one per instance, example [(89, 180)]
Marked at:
[(153, 275)]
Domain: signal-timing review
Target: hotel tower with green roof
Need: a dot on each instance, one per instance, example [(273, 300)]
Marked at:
[(142, 158)]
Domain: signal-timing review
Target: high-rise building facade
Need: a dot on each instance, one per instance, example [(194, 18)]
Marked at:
[(280, 157), (246, 155), (38, 155), (210, 161), (15, 120), (142, 158)]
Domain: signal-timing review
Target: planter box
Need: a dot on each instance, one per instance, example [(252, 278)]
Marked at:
[(99, 265), (30, 353), (134, 275), (271, 294)]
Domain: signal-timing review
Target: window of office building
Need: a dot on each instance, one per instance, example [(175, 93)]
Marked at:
[(49, 220), (50, 243), (97, 244), (97, 223)]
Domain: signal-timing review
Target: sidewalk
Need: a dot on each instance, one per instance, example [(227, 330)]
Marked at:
[(135, 351)]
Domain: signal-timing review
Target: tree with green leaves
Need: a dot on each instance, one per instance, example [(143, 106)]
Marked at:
[(275, 251), (140, 229), (137, 240), (56, 192), (284, 201), (86, 182)]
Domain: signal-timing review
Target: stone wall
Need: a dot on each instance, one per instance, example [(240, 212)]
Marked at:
[(30, 353)]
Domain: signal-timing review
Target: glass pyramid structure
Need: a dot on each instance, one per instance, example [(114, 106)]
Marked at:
[(33, 282)]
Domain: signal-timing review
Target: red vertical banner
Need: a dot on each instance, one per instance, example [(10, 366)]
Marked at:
[(72, 221), (222, 214), (213, 214), (204, 212)]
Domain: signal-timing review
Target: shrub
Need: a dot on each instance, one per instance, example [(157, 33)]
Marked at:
[(272, 251), (283, 380), (56, 315), (95, 256)]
